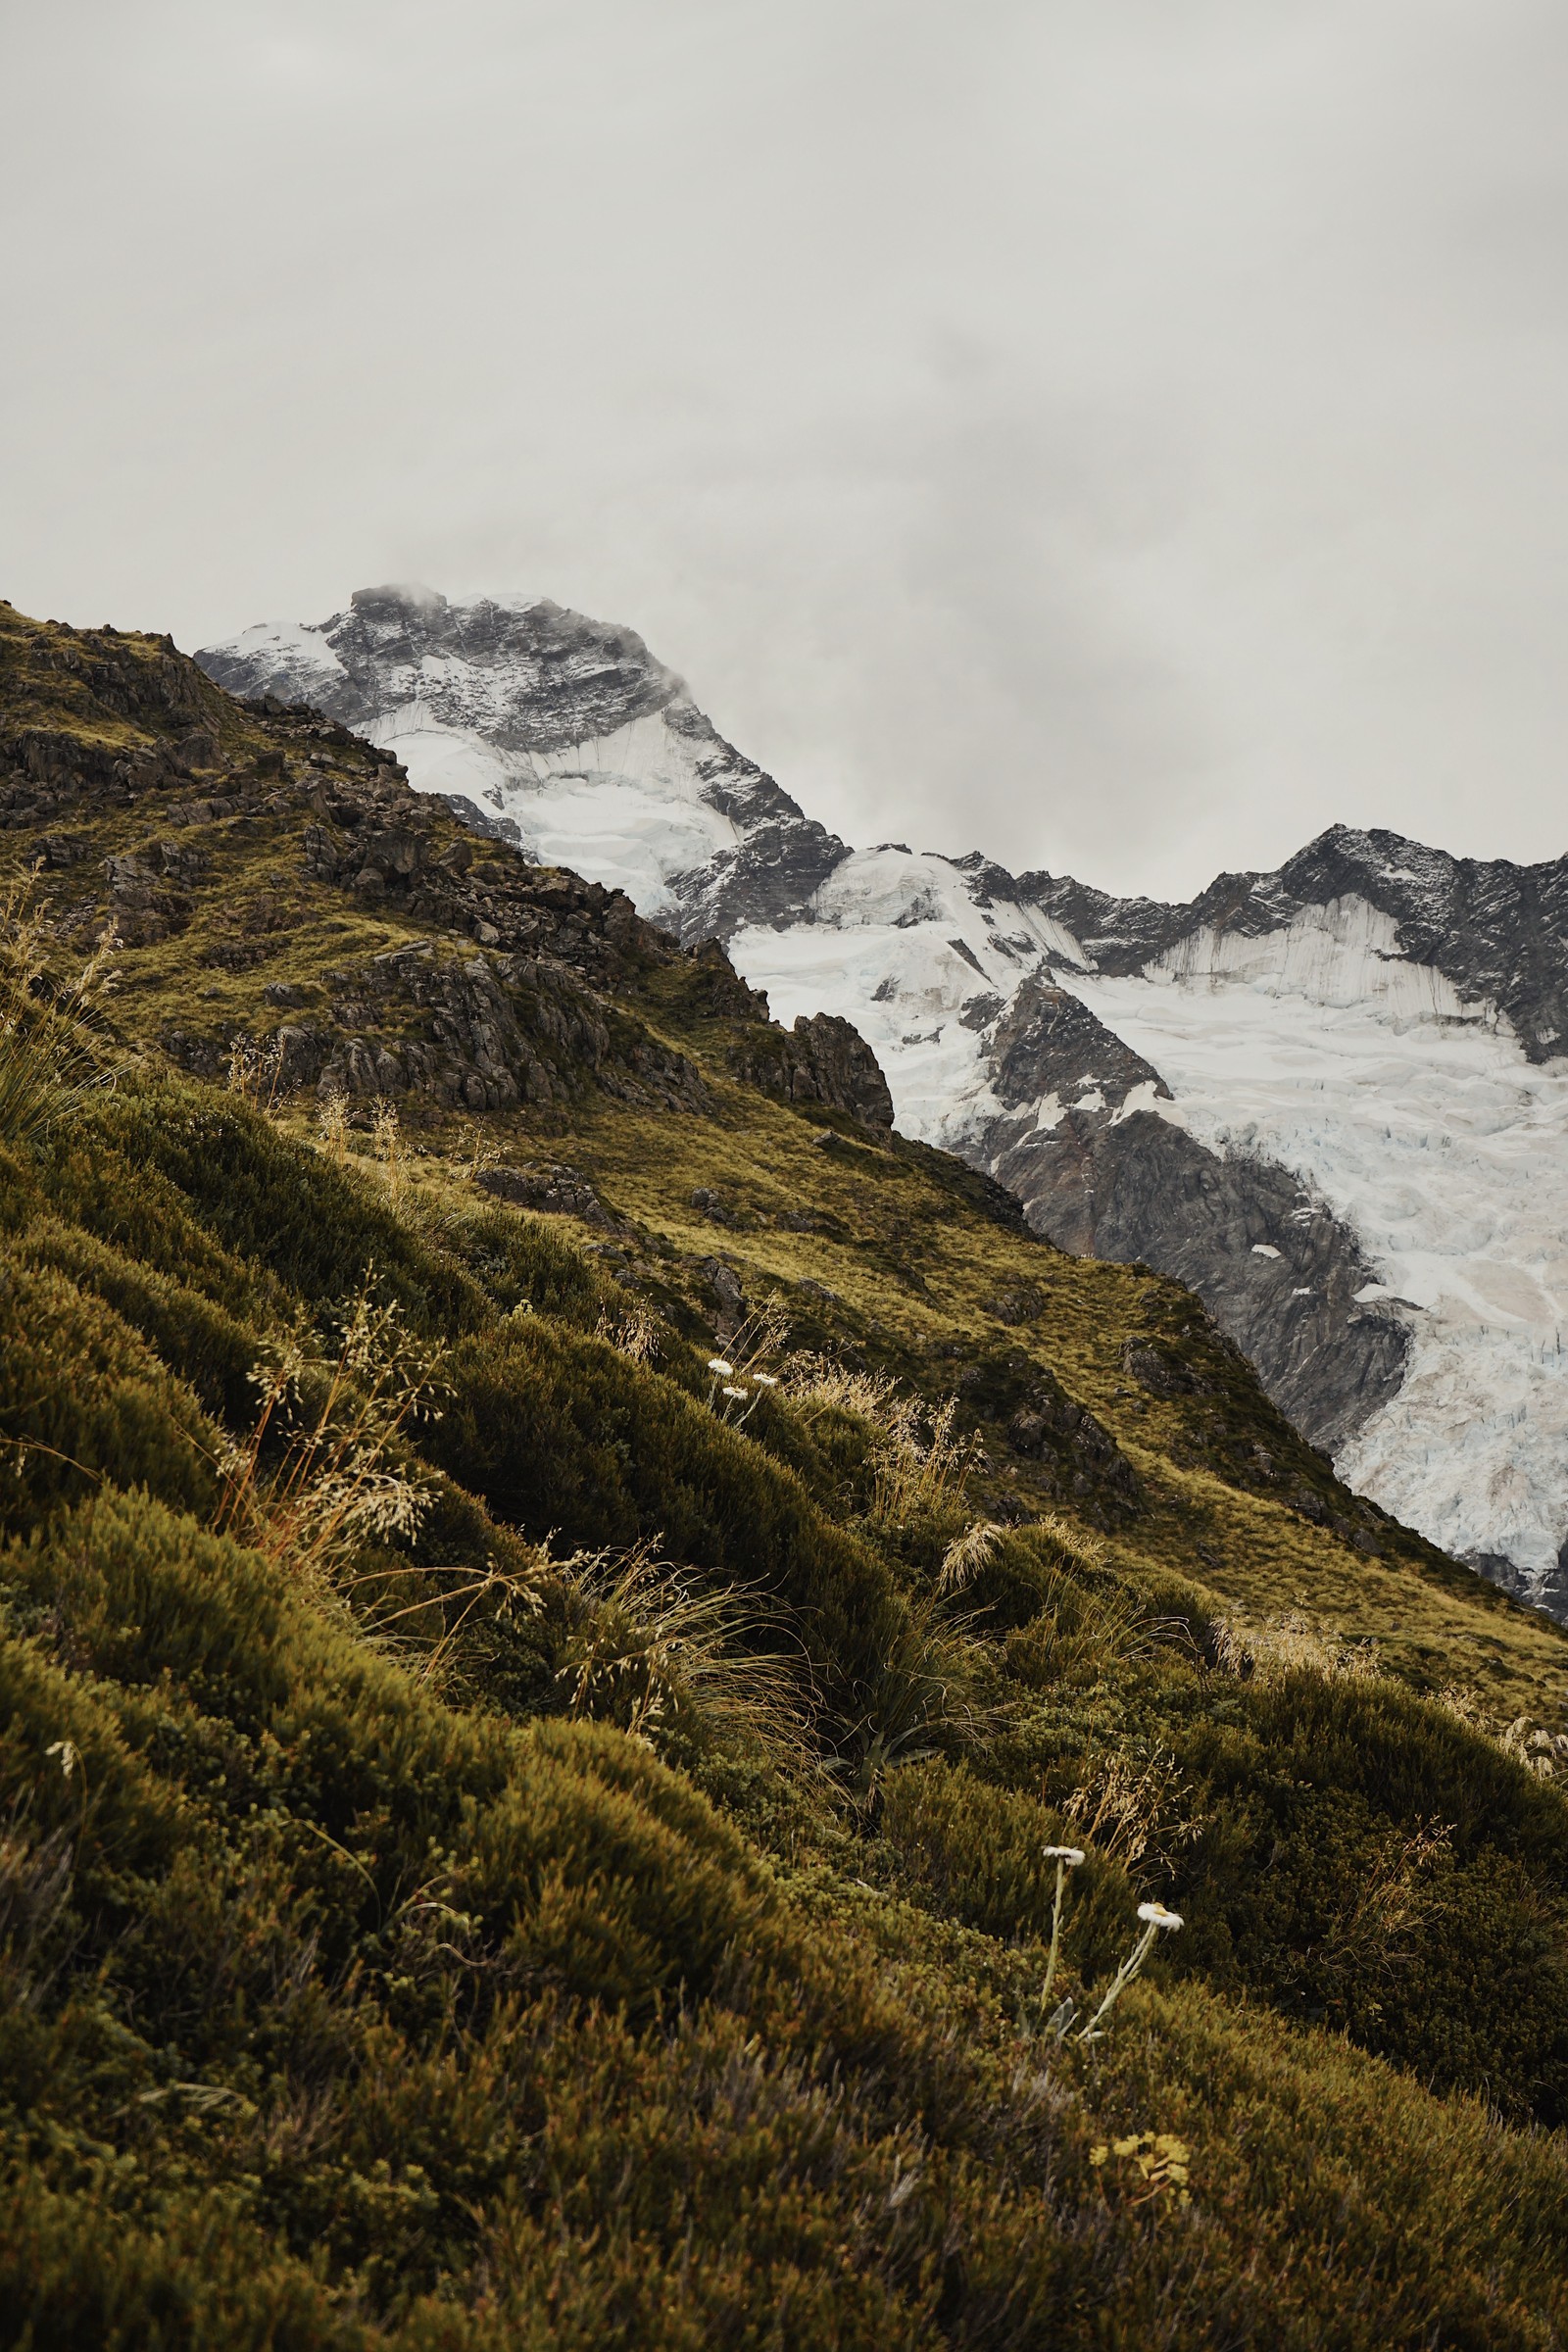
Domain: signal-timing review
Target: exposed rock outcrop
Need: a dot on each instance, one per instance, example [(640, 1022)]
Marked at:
[(1274, 1267), (822, 1060), (539, 677), (476, 1032), (550, 1190), (1043, 1424), (1048, 1047)]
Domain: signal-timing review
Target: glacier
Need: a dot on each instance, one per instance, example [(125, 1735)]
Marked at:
[(1420, 1122), (1415, 1115), (624, 808)]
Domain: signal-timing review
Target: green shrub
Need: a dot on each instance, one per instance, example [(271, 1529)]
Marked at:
[(321, 1230), (73, 2274), (83, 1399), (136, 1592), (202, 1343), (1355, 2230), (20, 1196), (562, 1435), (525, 1261), (605, 1882), (377, 2015), (974, 1852), (1370, 1863)]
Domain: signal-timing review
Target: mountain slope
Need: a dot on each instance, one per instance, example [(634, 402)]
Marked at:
[(570, 731), (1359, 1167), (532, 1847), (1329, 1098)]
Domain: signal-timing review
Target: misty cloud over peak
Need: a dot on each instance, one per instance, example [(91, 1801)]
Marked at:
[(1136, 429)]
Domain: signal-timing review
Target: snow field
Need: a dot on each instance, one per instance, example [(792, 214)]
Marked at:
[(895, 942), (624, 808), (1418, 1120)]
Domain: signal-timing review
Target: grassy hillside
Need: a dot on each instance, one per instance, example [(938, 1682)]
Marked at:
[(512, 1836)]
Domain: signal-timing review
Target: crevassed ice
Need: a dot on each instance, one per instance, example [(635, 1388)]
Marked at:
[(1420, 1122), (881, 945)]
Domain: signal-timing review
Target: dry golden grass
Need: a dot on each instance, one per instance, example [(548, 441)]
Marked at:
[(320, 1474), (52, 1046)]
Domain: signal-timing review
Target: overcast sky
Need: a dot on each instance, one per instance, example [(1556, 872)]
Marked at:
[(1125, 437)]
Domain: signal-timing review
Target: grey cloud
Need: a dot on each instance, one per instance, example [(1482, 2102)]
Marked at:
[(1128, 438)]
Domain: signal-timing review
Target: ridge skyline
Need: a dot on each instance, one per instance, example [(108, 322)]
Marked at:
[(1022, 875), (1330, 1096)]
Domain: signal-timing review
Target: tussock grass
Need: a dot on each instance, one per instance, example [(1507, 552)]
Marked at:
[(969, 1553), (1136, 1805), (919, 1459), (676, 1668), (320, 1474), (52, 1044), (927, 1689), (1289, 1643)]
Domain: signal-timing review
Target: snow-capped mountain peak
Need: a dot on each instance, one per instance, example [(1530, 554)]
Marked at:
[(567, 729), (1330, 1097)]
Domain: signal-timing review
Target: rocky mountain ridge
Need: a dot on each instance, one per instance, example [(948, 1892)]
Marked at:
[(1330, 1097), (562, 728), (519, 1833), (1497, 930)]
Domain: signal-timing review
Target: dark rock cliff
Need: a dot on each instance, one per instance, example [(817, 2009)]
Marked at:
[(1277, 1271), (822, 1060)]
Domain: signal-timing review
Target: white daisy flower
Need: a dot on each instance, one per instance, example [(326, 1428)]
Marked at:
[(765, 1380), (732, 1392), (716, 1364), (1155, 1915), (1072, 1855)]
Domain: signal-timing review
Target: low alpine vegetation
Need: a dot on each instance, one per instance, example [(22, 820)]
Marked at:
[(54, 1048), (562, 1788)]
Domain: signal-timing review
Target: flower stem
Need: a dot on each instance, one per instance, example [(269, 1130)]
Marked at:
[(1056, 1938), (1120, 1982)]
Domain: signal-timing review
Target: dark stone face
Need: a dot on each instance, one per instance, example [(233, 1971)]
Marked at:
[(768, 877), (1276, 1270), (1049, 1043), (821, 1060), (532, 681)]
